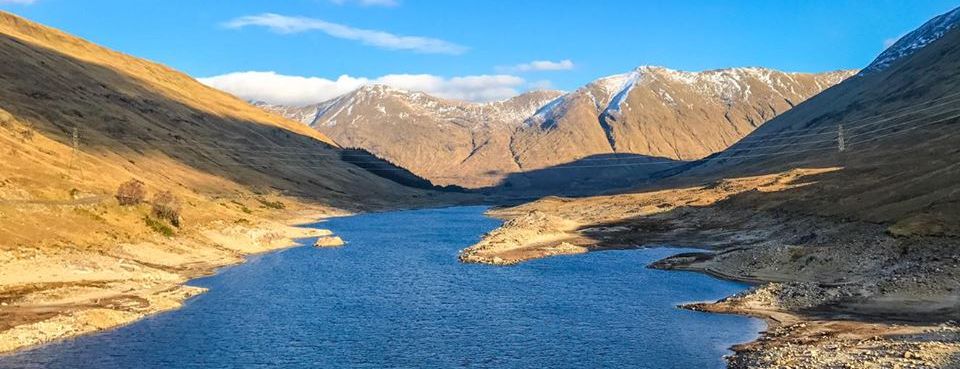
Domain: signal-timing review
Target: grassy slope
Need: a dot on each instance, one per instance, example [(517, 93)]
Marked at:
[(855, 247), (71, 259), (900, 168)]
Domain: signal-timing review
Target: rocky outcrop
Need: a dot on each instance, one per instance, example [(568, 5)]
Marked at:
[(329, 241)]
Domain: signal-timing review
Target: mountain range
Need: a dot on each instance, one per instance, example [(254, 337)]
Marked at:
[(843, 210), (646, 114)]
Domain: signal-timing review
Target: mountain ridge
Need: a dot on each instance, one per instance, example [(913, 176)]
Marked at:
[(481, 144)]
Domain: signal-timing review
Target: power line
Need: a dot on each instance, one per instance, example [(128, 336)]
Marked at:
[(852, 124), (670, 162), (281, 151), (278, 150), (840, 142), (909, 109), (374, 159)]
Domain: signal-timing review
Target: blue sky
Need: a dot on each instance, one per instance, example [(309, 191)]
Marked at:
[(476, 49)]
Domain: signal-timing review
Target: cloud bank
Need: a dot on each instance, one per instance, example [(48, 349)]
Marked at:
[(890, 41), (275, 88), (387, 3), (288, 25), (538, 66)]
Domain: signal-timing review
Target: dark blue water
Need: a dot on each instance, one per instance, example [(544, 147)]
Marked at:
[(396, 297)]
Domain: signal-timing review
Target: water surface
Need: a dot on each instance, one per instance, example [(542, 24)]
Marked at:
[(396, 297)]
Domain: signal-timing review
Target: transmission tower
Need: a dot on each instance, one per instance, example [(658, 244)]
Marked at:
[(75, 161), (841, 143)]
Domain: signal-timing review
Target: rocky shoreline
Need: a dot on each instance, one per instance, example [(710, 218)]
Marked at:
[(836, 293)]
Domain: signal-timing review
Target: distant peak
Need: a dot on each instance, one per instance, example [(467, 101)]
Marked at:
[(380, 88), (912, 42)]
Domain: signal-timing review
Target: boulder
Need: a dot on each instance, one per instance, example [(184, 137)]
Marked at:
[(329, 241)]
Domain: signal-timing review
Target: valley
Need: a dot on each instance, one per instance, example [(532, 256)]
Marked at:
[(78, 120), (833, 195)]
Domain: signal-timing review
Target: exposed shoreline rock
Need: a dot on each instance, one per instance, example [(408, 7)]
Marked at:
[(147, 281), (329, 241), (834, 292)]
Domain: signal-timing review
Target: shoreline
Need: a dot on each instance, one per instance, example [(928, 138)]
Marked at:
[(64, 321), (834, 292), (156, 285), (795, 340)]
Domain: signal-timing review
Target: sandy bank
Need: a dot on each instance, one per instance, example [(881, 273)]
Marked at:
[(48, 294)]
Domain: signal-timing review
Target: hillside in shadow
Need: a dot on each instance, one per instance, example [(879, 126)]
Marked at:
[(163, 127), (595, 174), (385, 169)]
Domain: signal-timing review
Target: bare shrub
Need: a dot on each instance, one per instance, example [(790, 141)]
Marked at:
[(159, 227), (132, 192), (6, 119), (27, 134), (167, 206), (271, 204)]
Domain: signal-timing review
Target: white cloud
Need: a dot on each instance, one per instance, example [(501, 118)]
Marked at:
[(538, 66), (19, 2), (541, 85), (388, 3), (890, 41), (276, 88), (285, 24)]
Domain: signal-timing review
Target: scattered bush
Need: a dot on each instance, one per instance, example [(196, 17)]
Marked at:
[(167, 206), (272, 204), (5, 119), (132, 192), (159, 226), (243, 207), (27, 134)]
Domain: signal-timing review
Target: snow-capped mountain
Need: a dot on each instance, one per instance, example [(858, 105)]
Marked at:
[(919, 38), (404, 103), (661, 112), (650, 111), (446, 141)]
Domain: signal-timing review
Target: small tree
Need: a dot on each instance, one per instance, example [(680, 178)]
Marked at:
[(132, 192), (167, 206)]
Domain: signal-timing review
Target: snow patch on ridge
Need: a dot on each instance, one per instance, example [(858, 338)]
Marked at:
[(629, 82), (548, 112), (919, 38)]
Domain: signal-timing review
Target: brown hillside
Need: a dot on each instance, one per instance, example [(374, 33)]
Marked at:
[(659, 113), (73, 260), (901, 137)]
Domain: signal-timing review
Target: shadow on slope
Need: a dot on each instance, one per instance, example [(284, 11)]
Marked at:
[(796, 226), (384, 168), (125, 121), (592, 175)]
